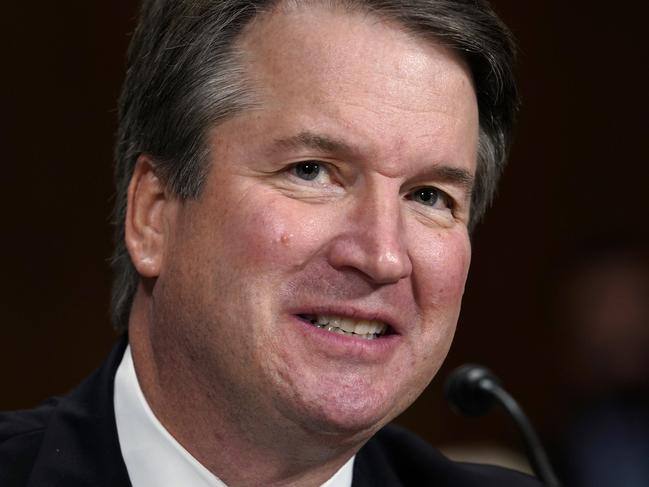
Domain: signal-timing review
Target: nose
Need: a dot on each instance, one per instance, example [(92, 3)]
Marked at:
[(373, 239)]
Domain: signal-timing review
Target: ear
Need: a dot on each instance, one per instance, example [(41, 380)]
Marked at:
[(146, 230)]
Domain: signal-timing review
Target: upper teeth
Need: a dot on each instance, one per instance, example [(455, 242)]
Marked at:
[(365, 328)]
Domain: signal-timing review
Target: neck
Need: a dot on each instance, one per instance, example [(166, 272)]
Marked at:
[(238, 446)]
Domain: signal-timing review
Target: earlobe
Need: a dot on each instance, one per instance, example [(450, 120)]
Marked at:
[(146, 231)]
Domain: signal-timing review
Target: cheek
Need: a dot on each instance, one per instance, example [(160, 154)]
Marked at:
[(440, 267), (280, 232), (440, 270)]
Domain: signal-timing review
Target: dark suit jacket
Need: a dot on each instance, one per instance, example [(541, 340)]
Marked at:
[(72, 442)]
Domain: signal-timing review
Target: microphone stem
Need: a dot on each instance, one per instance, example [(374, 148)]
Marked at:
[(538, 459)]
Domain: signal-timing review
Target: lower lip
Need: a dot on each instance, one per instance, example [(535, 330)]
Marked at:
[(347, 346)]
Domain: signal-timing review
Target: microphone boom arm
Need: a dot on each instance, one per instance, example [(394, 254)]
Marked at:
[(472, 389), (538, 459)]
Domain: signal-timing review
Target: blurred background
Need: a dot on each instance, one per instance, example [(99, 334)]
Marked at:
[(557, 300)]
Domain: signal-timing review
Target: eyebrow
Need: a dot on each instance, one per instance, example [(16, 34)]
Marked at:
[(311, 140), (455, 175)]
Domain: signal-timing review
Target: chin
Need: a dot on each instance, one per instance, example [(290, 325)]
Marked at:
[(355, 414), (348, 428)]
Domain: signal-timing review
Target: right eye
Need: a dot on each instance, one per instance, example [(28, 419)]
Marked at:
[(307, 170)]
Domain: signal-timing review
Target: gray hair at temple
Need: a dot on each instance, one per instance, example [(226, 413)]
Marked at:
[(185, 76)]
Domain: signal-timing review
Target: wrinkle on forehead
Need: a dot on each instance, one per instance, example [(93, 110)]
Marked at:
[(368, 81), (266, 67)]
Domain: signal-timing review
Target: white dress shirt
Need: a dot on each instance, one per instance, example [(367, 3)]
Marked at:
[(152, 456)]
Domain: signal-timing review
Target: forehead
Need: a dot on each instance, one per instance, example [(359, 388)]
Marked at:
[(363, 75), (335, 43)]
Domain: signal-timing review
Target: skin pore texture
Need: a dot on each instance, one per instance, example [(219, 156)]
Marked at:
[(345, 194)]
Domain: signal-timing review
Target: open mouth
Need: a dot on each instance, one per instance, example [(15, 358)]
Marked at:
[(366, 329)]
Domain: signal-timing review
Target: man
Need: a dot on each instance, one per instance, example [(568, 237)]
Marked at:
[(296, 181)]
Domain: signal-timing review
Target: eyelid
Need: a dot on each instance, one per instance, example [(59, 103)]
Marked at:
[(321, 164)]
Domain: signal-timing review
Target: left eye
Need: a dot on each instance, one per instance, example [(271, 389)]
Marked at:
[(307, 170), (426, 196)]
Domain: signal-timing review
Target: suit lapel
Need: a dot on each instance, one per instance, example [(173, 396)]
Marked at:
[(372, 468), (80, 445)]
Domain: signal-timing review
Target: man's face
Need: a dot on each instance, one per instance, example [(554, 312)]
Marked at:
[(342, 199)]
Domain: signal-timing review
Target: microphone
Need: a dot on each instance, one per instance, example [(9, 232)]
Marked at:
[(472, 390)]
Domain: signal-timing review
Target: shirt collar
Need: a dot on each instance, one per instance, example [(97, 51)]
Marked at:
[(154, 457)]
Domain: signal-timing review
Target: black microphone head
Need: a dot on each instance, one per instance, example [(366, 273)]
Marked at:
[(468, 389)]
